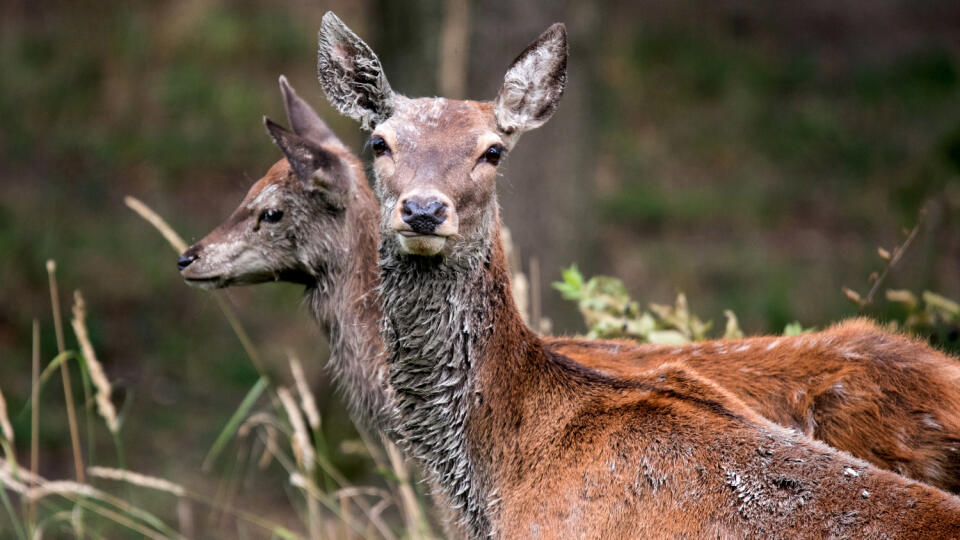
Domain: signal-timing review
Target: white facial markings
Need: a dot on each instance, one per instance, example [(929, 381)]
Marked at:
[(431, 111), (266, 197)]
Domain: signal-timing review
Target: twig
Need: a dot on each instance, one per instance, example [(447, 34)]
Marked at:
[(894, 259)]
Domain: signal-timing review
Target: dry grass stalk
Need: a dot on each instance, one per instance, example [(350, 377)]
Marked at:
[(307, 402), (65, 372), (60, 487), (35, 413), (5, 428), (97, 376), (300, 440), (416, 521), (146, 213), (303, 449), (137, 479), (269, 423), (10, 482)]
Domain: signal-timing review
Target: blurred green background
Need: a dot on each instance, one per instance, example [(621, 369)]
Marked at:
[(751, 154)]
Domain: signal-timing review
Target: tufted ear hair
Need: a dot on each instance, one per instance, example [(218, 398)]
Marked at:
[(316, 167), (534, 83), (305, 121), (351, 75)]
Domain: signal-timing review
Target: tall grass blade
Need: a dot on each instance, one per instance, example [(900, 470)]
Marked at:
[(234, 423), (34, 417), (17, 526), (65, 371)]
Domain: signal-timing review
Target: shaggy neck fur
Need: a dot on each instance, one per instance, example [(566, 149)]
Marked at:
[(439, 316), (343, 300)]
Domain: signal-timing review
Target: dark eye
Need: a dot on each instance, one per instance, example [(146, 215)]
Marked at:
[(271, 216), (493, 155), (379, 146)]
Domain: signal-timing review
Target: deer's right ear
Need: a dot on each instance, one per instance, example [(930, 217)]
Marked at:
[(316, 167), (351, 75)]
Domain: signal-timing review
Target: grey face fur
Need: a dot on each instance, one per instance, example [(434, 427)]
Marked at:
[(310, 220), (436, 288)]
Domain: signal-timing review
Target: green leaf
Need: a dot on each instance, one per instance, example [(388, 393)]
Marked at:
[(732, 330), (572, 285), (667, 337), (234, 423), (902, 296), (941, 303), (795, 329)]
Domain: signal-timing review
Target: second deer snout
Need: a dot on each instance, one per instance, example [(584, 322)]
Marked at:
[(187, 258), (423, 214)]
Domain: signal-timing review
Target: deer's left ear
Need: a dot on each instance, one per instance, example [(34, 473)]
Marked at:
[(303, 119), (351, 75), (317, 168), (534, 84)]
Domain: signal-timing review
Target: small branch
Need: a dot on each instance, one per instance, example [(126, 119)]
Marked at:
[(894, 259)]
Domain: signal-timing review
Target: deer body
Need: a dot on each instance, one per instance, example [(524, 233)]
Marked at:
[(524, 440), (888, 399)]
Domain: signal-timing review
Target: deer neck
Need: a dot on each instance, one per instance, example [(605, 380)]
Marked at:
[(439, 317), (344, 302)]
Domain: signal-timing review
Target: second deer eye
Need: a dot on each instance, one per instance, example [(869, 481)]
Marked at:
[(493, 155), (271, 216), (379, 146)]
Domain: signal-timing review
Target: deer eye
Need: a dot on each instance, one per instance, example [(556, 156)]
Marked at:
[(380, 146), (493, 155), (271, 216)]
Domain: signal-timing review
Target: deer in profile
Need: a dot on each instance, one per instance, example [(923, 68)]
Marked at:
[(307, 221), (526, 437)]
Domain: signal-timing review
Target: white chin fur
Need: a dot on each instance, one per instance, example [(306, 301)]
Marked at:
[(204, 284), (422, 245)]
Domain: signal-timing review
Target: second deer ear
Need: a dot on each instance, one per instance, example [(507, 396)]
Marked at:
[(534, 84), (304, 121), (351, 75), (317, 168)]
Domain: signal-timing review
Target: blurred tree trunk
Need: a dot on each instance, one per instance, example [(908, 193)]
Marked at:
[(405, 38), (546, 203), (454, 49)]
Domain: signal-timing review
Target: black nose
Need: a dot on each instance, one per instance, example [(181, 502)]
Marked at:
[(184, 260), (423, 215)]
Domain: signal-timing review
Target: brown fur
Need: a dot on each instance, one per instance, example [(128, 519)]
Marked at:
[(888, 399), (663, 452)]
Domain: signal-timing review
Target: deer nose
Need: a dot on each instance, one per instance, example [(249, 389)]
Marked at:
[(184, 260), (423, 215)]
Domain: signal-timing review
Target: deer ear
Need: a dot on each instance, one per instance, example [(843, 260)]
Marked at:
[(351, 75), (305, 121), (317, 168), (534, 84)]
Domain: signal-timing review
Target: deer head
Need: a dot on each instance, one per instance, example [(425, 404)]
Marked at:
[(292, 224), (437, 159)]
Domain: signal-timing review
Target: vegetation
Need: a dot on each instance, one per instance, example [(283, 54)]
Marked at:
[(280, 424)]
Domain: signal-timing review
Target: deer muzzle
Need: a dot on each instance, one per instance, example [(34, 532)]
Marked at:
[(423, 221)]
